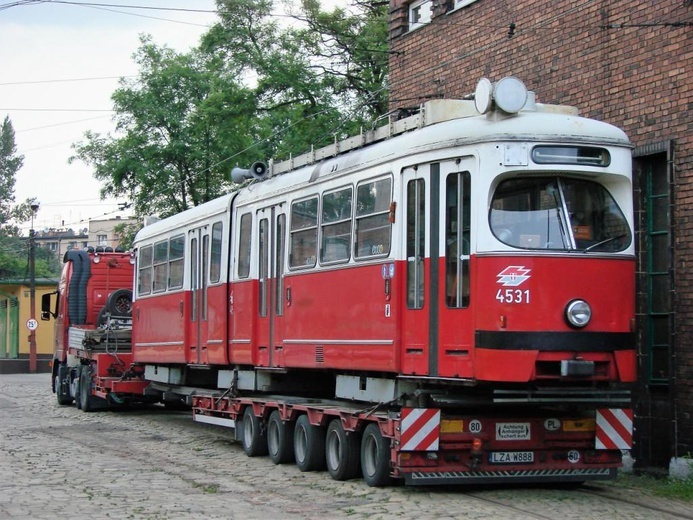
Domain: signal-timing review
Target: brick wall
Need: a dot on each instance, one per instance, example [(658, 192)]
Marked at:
[(628, 63)]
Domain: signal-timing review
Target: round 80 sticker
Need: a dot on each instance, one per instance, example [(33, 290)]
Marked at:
[(475, 426)]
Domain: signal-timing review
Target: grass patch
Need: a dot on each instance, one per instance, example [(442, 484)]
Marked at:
[(658, 486)]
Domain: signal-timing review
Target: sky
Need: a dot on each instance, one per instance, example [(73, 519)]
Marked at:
[(59, 64)]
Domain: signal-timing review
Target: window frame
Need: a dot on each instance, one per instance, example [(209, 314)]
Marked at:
[(293, 232), (171, 285), (378, 213), (334, 224), (149, 250), (418, 24)]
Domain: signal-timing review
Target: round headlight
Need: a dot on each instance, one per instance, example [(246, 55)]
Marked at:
[(510, 94), (578, 313)]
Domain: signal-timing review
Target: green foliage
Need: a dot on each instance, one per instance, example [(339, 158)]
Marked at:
[(14, 260), (178, 122), (10, 164), (257, 87), (126, 234)]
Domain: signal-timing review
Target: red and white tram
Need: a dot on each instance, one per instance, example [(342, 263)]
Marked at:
[(471, 267)]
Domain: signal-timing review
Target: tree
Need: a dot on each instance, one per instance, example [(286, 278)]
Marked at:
[(254, 89), (322, 76), (10, 164), (178, 123)]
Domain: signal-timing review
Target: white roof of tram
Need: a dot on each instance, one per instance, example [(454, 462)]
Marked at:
[(441, 124)]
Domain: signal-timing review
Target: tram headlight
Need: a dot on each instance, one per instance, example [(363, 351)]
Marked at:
[(578, 313)]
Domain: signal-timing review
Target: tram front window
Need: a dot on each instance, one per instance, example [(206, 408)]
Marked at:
[(558, 213)]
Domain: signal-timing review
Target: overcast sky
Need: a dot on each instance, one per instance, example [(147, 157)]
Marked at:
[(59, 64)]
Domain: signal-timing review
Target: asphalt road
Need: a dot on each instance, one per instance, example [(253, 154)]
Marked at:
[(148, 463)]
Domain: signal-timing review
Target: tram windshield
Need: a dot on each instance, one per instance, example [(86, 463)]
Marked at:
[(558, 213)]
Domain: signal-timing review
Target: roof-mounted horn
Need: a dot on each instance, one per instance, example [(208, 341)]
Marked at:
[(258, 170)]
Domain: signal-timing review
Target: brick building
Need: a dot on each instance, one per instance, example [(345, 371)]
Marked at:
[(627, 63)]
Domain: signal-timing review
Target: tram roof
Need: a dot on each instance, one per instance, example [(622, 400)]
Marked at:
[(441, 124), (544, 123), (185, 218)]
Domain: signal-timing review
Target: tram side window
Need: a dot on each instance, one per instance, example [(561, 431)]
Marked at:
[(416, 242), (304, 233), (144, 276), (336, 226), (373, 228), (457, 219), (215, 260), (176, 254), (244, 237), (160, 266)]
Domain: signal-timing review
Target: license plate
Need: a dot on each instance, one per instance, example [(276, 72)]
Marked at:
[(511, 457)]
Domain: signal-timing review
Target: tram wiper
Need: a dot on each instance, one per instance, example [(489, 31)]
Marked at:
[(605, 241)]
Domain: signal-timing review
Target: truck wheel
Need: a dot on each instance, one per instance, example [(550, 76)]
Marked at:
[(375, 457), (78, 386), (61, 385), (254, 436), (309, 445), (342, 452), (280, 439), (88, 402)]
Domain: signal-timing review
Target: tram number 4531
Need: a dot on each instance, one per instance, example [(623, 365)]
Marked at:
[(513, 296)]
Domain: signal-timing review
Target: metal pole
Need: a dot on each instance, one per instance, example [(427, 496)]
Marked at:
[(32, 292)]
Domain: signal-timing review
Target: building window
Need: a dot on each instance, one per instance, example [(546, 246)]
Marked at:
[(462, 3), (101, 240), (420, 13)]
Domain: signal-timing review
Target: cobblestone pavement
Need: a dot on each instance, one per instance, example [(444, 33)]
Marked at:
[(59, 462)]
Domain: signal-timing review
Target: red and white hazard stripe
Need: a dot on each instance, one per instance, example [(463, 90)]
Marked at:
[(420, 429), (614, 429)]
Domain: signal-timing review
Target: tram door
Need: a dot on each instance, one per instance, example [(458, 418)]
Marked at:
[(415, 308), (455, 331), (271, 235), (436, 332), (196, 340)]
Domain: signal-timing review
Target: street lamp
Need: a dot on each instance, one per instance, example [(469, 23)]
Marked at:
[(32, 291)]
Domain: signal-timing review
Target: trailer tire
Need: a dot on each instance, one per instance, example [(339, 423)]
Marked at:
[(254, 434), (309, 445), (62, 391), (280, 439), (375, 457), (342, 452)]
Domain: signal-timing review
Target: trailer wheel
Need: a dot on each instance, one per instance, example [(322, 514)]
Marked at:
[(61, 387), (280, 439), (342, 452), (88, 402), (254, 436), (309, 445), (375, 457)]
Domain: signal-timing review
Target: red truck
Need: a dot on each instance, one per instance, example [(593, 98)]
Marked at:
[(92, 309)]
